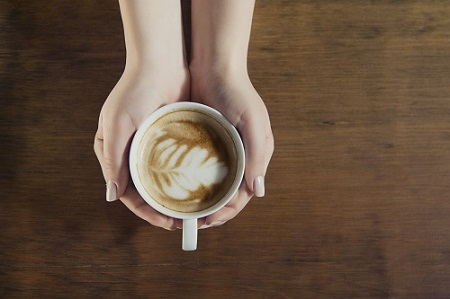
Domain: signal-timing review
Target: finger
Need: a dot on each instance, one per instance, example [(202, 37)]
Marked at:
[(98, 144), (140, 208), (234, 207), (111, 146), (259, 145), (201, 223)]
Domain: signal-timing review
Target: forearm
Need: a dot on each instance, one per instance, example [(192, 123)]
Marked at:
[(221, 34), (153, 34)]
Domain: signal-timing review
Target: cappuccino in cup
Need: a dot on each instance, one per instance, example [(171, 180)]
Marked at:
[(187, 161)]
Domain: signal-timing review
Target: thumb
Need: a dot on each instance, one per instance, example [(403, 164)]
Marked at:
[(112, 146), (259, 145)]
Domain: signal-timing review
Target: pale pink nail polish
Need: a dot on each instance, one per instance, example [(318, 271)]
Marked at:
[(258, 186), (111, 191)]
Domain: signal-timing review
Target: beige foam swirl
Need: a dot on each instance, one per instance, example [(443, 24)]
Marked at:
[(180, 170), (185, 162)]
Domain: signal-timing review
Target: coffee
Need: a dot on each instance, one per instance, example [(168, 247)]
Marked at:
[(187, 161)]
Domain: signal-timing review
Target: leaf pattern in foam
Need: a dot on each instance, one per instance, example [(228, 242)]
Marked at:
[(180, 169)]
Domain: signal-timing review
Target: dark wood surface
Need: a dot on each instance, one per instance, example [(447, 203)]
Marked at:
[(357, 202)]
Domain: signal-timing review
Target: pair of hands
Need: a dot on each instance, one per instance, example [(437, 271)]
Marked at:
[(138, 93)]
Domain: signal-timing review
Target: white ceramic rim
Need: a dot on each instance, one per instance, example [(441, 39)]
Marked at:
[(224, 122)]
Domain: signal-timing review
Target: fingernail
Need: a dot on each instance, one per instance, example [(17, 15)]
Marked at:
[(111, 191), (258, 186)]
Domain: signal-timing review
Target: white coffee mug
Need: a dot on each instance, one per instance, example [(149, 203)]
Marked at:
[(189, 241)]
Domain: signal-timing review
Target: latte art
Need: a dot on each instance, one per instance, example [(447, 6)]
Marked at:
[(186, 163), (180, 169)]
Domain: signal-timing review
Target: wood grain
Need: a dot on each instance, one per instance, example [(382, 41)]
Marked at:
[(357, 202)]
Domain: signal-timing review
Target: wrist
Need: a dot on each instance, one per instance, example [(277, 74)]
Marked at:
[(168, 83), (217, 68), (210, 79), (147, 62)]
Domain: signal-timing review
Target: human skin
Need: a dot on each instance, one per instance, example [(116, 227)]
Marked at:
[(219, 78), (156, 73)]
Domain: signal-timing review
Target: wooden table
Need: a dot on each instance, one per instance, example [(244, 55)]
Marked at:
[(358, 189)]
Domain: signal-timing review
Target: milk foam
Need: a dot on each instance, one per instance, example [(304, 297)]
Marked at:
[(188, 161), (186, 169)]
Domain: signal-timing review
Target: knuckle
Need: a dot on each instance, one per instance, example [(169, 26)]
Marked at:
[(270, 142), (98, 141)]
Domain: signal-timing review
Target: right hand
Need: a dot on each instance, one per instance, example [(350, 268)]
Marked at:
[(136, 95)]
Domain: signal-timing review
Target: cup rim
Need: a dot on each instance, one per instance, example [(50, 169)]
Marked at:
[(157, 114)]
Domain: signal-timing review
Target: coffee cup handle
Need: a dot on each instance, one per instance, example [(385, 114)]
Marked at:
[(189, 234)]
